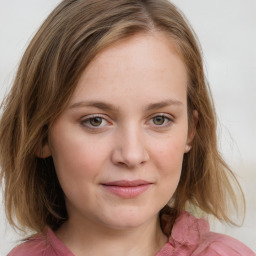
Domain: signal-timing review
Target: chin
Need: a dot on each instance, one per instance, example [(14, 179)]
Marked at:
[(130, 218)]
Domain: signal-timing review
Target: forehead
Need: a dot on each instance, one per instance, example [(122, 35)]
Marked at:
[(145, 64)]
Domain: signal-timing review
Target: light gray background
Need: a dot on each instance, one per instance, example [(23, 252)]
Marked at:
[(227, 32)]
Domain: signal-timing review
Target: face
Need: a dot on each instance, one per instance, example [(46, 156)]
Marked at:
[(118, 147)]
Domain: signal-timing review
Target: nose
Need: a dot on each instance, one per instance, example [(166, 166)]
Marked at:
[(130, 149)]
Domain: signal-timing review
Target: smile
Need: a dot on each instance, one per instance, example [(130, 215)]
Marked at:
[(127, 189)]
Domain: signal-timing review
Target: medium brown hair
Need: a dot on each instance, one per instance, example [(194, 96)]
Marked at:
[(73, 34)]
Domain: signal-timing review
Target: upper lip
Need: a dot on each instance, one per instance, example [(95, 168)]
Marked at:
[(127, 183)]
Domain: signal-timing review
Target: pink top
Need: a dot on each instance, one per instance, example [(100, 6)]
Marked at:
[(190, 237)]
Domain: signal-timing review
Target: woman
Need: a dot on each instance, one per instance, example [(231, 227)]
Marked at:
[(109, 134)]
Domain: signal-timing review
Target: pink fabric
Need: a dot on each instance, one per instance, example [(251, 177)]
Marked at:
[(190, 237)]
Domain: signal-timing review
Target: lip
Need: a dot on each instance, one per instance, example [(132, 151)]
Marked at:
[(127, 188)]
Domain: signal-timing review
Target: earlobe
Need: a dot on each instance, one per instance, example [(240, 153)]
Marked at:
[(187, 148), (44, 151), (191, 132)]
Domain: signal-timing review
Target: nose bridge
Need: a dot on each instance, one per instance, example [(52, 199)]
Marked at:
[(130, 149)]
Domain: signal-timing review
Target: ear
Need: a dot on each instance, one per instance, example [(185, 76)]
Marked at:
[(43, 151), (191, 132)]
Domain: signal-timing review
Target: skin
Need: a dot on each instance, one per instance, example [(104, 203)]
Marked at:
[(144, 135)]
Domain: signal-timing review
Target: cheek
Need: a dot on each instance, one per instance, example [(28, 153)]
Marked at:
[(169, 165), (168, 159), (169, 153), (78, 162), (76, 156)]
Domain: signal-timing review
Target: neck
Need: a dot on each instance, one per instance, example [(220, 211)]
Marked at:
[(91, 239)]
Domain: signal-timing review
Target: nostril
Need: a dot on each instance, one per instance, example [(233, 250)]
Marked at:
[(121, 163), (130, 164)]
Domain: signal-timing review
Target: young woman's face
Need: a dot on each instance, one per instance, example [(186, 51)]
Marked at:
[(118, 147)]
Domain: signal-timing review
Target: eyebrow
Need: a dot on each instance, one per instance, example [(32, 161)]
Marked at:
[(162, 104), (96, 104), (110, 107)]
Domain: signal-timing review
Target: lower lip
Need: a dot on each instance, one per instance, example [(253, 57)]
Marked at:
[(127, 192)]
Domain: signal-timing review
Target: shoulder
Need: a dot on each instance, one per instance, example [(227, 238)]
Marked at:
[(46, 244), (219, 244), (193, 236), (34, 246)]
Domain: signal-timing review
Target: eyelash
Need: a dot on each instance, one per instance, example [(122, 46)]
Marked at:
[(86, 121), (167, 120)]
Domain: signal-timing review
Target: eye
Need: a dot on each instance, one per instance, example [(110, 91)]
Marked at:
[(161, 120), (95, 121), (92, 122)]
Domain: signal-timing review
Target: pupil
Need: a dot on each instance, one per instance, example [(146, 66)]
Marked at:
[(96, 121), (158, 120)]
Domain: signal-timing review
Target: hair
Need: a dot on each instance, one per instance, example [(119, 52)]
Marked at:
[(72, 35)]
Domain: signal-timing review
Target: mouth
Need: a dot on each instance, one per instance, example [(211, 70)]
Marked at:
[(127, 188)]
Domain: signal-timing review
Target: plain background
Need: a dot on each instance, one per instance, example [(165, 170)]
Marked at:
[(227, 32)]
